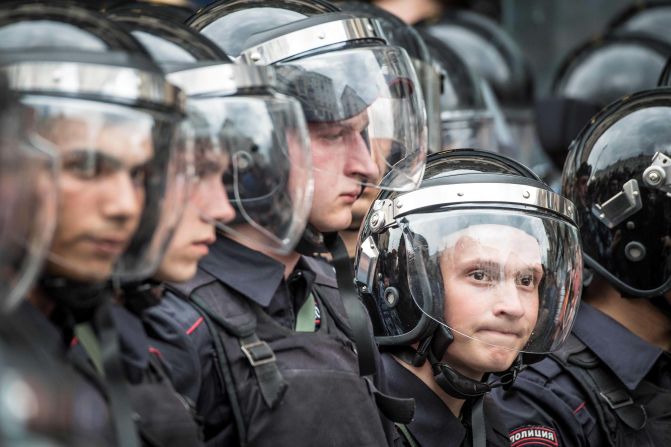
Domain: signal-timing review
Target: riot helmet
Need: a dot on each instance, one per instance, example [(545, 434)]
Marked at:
[(466, 121), (109, 114), (361, 97), (604, 70), (479, 269), (650, 18), (591, 77), (242, 127), (492, 54), (263, 135), (28, 206), (171, 45), (405, 36), (616, 174), (175, 10)]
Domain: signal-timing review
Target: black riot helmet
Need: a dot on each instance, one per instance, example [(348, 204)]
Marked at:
[(616, 174), (172, 45), (373, 83), (490, 51), (466, 119), (405, 36), (481, 229), (492, 54), (176, 10), (102, 104), (592, 76), (241, 124), (606, 69), (650, 18)]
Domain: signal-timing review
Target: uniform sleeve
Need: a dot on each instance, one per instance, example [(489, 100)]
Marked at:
[(545, 408), (186, 344)]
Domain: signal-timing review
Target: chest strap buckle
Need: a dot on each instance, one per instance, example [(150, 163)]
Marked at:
[(258, 353)]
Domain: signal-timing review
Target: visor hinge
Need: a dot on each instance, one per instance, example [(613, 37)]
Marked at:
[(621, 206), (366, 265), (658, 174), (383, 215)]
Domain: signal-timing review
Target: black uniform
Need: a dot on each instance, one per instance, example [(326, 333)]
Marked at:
[(92, 416), (305, 386), (548, 406), (434, 424)]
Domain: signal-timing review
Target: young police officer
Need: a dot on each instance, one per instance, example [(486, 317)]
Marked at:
[(271, 344), (610, 383), (463, 277), (110, 115)]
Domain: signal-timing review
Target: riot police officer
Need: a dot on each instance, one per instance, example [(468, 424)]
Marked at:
[(112, 118), (290, 345), (476, 272), (609, 384)]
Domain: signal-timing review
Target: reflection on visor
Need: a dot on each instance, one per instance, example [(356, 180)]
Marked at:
[(119, 163), (268, 166), (363, 97), (507, 280), (27, 215)]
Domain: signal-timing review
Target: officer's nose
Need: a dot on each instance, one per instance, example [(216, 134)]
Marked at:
[(509, 301), (213, 201), (123, 197), (359, 161)]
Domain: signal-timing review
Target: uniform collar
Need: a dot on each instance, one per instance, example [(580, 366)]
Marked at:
[(433, 425), (253, 274), (627, 355)]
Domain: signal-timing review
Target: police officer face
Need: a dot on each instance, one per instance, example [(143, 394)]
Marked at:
[(101, 193), (491, 276), (342, 161), (196, 230)]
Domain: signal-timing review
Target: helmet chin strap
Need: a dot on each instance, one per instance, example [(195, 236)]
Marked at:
[(452, 381)]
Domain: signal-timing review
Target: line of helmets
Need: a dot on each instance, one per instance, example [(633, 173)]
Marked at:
[(136, 134)]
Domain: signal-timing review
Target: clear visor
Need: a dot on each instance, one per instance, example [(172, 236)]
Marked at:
[(431, 80), (122, 187), (468, 129), (267, 172), (28, 212), (365, 113), (526, 147), (507, 280)]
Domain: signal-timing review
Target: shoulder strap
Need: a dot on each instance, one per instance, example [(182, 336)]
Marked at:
[(610, 397), (356, 313), (223, 309), (406, 435)]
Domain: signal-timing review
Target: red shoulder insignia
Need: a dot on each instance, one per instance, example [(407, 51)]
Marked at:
[(534, 436)]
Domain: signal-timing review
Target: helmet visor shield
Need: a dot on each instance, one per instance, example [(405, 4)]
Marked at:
[(365, 113), (28, 212), (507, 280), (268, 175), (468, 129), (121, 187)]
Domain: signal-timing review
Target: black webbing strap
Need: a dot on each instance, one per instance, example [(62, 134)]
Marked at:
[(609, 396), (243, 326), (478, 427), (356, 313), (115, 380), (225, 371)]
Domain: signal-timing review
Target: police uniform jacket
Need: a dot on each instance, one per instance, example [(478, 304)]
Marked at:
[(547, 407), (188, 344), (434, 425)]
